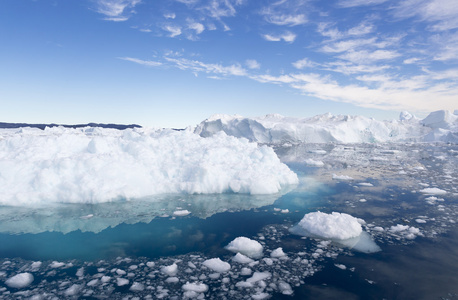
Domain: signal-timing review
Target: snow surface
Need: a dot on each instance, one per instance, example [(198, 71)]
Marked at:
[(439, 126), (92, 165)]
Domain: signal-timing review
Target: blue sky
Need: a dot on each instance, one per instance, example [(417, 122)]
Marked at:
[(174, 63)]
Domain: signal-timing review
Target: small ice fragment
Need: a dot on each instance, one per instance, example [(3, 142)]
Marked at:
[(172, 279), (433, 191), (217, 265), (195, 287), (20, 280), (285, 211), (246, 246), (242, 259), (277, 252), (87, 217), (137, 287), (340, 266), (150, 264), (171, 270), (181, 213), (365, 184), (313, 163), (56, 264), (73, 290), (341, 177), (246, 272), (122, 281)]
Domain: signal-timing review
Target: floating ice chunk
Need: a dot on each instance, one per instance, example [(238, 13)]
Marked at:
[(420, 221), (285, 288), (20, 281), (181, 213), (93, 282), (137, 287), (368, 184), (258, 276), (56, 264), (409, 232), (87, 217), (284, 211), (242, 259), (260, 296), (328, 226), (171, 270), (340, 266), (150, 264), (277, 252), (105, 279), (268, 261), (122, 281), (339, 227), (246, 272), (195, 287), (73, 290), (217, 265), (172, 279), (246, 246), (433, 191), (341, 177), (36, 265), (313, 163)]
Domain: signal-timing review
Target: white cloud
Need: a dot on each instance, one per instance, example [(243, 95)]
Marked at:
[(353, 3), (348, 68), (347, 45), (286, 13), (215, 69), (288, 20), (366, 57), (326, 30), (287, 37), (115, 9), (304, 63), (173, 30), (444, 13), (148, 63), (198, 27), (252, 64), (170, 15)]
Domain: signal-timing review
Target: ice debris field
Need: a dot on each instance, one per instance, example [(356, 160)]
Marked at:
[(326, 190)]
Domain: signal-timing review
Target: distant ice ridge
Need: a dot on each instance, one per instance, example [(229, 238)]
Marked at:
[(93, 165), (439, 126)]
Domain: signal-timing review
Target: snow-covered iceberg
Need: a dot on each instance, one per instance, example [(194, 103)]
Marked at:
[(92, 165), (440, 126)]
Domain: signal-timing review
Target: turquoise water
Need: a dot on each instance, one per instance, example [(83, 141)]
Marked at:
[(384, 191)]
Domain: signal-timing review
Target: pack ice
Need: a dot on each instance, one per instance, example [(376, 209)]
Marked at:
[(91, 165), (439, 126)]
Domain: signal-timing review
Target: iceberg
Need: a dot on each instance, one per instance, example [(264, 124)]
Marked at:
[(93, 165), (439, 126), (341, 228)]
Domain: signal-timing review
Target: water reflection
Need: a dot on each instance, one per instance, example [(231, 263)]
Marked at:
[(94, 218)]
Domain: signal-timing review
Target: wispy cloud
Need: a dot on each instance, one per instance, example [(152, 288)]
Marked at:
[(443, 13), (201, 67), (115, 10), (173, 30), (287, 37), (304, 63), (148, 63), (197, 27), (252, 64), (365, 56), (285, 13), (354, 3)]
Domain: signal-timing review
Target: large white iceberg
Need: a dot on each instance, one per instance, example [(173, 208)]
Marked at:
[(439, 126), (94, 165)]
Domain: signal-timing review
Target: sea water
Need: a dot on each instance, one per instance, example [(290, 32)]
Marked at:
[(123, 249)]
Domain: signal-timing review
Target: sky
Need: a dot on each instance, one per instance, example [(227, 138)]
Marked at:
[(174, 63)]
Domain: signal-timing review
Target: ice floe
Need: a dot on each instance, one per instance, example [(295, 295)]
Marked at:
[(246, 246)]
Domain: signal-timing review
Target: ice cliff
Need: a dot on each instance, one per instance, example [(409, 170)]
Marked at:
[(439, 126)]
